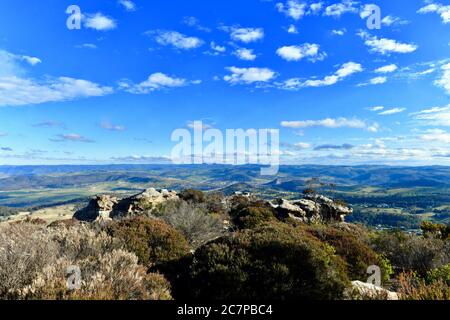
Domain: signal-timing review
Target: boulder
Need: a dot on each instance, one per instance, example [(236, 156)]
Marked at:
[(312, 209), (106, 207), (99, 208), (367, 291)]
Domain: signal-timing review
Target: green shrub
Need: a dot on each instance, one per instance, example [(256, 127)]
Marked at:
[(410, 252), (436, 230), (441, 273), (153, 241), (248, 214), (412, 287), (357, 254), (191, 195), (275, 261)]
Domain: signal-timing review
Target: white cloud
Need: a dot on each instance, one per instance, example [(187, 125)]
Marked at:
[(17, 91), (194, 22), (339, 32), (442, 10), (376, 108), (155, 81), (326, 123), (87, 46), (99, 22), (245, 54), (292, 29), (31, 60), (346, 70), (436, 135), (177, 40), (292, 8), (436, 116), (112, 127), (249, 75), (386, 46), (297, 53), (444, 80), (338, 9), (72, 137), (128, 5), (217, 48), (378, 80), (387, 69), (393, 21), (247, 35), (392, 111)]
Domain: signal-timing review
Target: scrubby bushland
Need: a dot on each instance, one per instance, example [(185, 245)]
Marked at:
[(195, 222), (34, 262), (357, 254), (191, 195), (275, 261), (247, 213), (436, 230), (153, 241), (410, 252), (413, 287)]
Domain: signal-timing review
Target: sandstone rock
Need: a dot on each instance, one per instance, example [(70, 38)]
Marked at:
[(105, 207), (366, 291), (312, 209), (99, 208)]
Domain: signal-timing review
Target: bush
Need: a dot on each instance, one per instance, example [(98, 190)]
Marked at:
[(153, 241), (409, 252), (274, 261), (412, 287), (436, 230), (357, 254), (441, 273), (194, 222), (34, 261), (191, 195), (247, 214)]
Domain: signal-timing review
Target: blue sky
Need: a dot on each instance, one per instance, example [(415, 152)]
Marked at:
[(114, 90)]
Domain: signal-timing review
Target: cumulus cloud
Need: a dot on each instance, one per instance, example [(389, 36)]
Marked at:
[(155, 81), (246, 35), (249, 75), (245, 54), (376, 108), (339, 32), (442, 10), (217, 48), (392, 111), (346, 70), (436, 135), (374, 81), (293, 9), (99, 22), (393, 21), (195, 23), (444, 80), (338, 9), (17, 91), (386, 46), (387, 69), (128, 5), (176, 39), (326, 123), (297, 53)]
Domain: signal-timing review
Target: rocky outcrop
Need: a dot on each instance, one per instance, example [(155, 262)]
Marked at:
[(106, 207), (366, 291), (312, 209), (99, 208)]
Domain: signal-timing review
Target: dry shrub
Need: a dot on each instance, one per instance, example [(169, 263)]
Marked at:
[(194, 222), (412, 287), (34, 262)]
